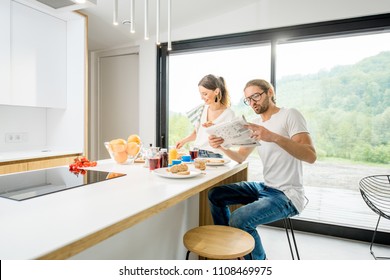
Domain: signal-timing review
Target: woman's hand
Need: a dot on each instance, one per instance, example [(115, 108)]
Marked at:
[(189, 138), (179, 144), (207, 124)]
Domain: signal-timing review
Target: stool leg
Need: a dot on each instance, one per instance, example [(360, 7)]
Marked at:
[(288, 224), (187, 255), (288, 237), (293, 236)]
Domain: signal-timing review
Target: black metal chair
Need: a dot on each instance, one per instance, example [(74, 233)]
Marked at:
[(375, 191), (288, 225)]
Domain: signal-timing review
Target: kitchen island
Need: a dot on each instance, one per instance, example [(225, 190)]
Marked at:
[(137, 216)]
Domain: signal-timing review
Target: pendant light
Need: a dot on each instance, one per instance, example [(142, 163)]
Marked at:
[(132, 12), (169, 26), (157, 22), (146, 35), (115, 15), (146, 19)]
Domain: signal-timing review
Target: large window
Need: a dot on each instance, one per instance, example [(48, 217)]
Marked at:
[(342, 86), (235, 65), (337, 74)]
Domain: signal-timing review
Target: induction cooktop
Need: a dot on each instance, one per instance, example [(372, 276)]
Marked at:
[(30, 184)]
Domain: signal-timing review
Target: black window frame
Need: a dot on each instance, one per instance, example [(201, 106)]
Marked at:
[(374, 23)]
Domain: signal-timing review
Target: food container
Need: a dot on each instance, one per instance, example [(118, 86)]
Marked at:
[(200, 163), (123, 156), (186, 158)]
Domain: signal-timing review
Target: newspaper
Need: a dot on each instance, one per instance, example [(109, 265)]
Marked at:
[(234, 133)]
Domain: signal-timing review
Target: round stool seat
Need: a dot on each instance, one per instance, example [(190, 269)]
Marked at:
[(219, 242)]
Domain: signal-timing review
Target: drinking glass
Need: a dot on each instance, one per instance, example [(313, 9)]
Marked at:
[(193, 153), (151, 152), (154, 163)]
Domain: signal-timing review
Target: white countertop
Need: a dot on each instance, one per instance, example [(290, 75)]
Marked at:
[(38, 226), (34, 154)]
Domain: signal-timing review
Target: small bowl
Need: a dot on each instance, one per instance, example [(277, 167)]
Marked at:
[(122, 157)]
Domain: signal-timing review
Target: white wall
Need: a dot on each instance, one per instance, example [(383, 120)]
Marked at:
[(28, 120), (263, 14)]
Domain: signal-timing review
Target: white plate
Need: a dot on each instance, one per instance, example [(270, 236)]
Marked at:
[(217, 161), (164, 173)]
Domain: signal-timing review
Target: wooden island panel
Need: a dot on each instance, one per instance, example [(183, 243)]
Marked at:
[(34, 164)]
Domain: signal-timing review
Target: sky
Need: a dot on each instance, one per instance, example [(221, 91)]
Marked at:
[(239, 65)]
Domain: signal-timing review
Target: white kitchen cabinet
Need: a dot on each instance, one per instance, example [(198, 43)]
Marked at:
[(5, 37), (38, 58)]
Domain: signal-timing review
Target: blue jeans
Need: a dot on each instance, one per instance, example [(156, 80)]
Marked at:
[(261, 205), (208, 154)]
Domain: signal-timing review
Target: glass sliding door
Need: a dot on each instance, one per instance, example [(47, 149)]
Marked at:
[(342, 87)]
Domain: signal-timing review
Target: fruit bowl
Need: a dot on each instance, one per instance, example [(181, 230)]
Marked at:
[(123, 153)]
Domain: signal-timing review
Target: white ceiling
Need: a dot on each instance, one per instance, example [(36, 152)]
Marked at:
[(103, 34)]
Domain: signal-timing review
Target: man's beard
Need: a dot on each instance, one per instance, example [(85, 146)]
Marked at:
[(262, 108)]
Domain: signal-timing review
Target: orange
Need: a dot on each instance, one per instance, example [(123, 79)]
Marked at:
[(120, 157), (134, 138), (132, 149), (118, 145)]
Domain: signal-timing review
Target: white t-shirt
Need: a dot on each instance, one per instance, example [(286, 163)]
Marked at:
[(281, 170), (202, 137)]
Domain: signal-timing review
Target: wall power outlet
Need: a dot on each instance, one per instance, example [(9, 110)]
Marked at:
[(16, 137)]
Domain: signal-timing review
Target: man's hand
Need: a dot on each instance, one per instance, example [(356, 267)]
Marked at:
[(261, 133), (299, 146), (215, 141)]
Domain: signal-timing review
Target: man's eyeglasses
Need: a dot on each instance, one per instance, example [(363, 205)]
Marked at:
[(255, 97)]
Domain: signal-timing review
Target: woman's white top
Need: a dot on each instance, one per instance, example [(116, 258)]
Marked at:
[(202, 137)]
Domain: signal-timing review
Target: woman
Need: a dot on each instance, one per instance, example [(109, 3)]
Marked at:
[(216, 110)]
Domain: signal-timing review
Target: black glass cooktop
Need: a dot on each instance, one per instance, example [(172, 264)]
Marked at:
[(26, 185)]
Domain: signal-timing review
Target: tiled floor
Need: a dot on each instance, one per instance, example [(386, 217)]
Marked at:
[(316, 247)]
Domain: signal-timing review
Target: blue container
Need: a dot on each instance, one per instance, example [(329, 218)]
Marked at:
[(176, 161), (186, 158)]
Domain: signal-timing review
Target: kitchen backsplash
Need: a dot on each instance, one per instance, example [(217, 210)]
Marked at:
[(22, 128)]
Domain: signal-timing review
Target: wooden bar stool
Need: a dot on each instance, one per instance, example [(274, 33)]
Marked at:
[(218, 242)]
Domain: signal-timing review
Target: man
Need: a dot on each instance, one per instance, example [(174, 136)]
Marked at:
[(285, 143)]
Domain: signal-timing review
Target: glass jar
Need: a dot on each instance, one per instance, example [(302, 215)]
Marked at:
[(150, 152), (163, 158)]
